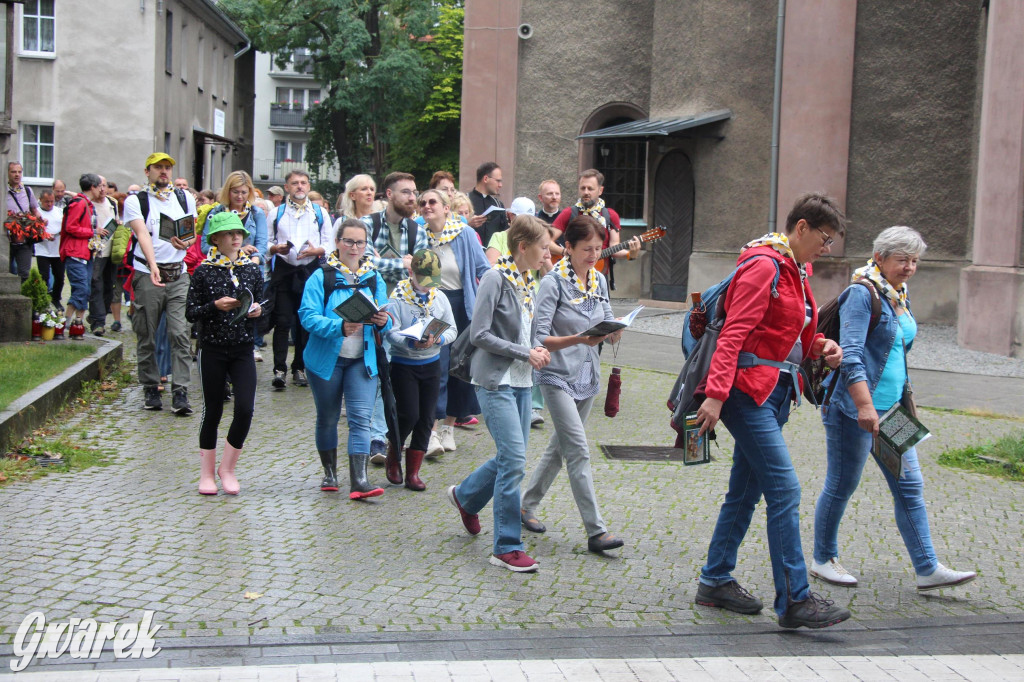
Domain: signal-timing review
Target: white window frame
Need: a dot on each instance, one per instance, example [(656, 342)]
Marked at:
[(22, 141), (20, 18)]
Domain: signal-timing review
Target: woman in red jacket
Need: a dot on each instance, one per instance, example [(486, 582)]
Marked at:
[(76, 232), (750, 386)]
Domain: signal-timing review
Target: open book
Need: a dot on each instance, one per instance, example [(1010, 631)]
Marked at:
[(609, 326), (182, 228), (898, 431), (358, 307), (419, 331), (246, 298)]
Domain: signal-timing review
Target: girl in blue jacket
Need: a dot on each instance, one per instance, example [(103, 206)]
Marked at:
[(340, 356)]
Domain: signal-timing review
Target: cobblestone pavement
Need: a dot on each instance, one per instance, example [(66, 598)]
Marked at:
[(111, 542)]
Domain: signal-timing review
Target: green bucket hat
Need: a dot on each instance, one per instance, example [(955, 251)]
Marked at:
[(224, 221), (427, 266)]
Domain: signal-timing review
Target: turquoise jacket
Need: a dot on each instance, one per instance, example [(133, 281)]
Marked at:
[(325, 327)]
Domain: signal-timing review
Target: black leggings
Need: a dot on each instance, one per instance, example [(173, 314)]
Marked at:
[(416, 388), (217, 363)]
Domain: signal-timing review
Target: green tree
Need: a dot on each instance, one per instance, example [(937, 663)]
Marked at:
[(427, 138), (365, 53)]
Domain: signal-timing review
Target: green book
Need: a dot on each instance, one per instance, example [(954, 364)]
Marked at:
[(898, 431), (698, 448)]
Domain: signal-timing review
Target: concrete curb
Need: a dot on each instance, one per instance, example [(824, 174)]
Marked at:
[(35, 407)]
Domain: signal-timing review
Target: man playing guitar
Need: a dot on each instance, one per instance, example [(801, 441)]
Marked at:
[(591, 186)]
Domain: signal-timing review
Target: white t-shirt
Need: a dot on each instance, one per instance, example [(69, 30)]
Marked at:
[(104, 214), (164, 252), (299, 230), (53, 218)]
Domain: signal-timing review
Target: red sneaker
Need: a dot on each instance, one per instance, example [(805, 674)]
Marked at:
[(468, 421), (470, 521), (516, 561)]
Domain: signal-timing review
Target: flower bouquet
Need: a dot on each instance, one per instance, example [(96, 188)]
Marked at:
[(25, 228), (50, 319)]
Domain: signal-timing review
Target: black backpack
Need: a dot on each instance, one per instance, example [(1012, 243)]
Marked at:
[(816, 370), (143, 197)]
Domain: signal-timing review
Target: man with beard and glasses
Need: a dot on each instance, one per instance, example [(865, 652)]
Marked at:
[(300, 234), (160, 281)]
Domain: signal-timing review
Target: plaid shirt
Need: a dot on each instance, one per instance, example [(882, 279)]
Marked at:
[(393, 269)]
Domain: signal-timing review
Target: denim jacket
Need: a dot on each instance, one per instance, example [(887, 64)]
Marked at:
[(862, 361)]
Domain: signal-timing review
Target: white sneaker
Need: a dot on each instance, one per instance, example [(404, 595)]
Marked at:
[(257, 355), (447, 434), (434, 447), (944, 577), (833, 572), (536, 418)]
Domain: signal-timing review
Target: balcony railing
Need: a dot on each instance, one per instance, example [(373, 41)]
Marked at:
[(276, 172), (285, 116)]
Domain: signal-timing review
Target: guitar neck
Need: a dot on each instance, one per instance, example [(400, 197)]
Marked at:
[(613, 249)]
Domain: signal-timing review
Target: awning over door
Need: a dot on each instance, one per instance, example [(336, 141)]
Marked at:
[(659, 127)]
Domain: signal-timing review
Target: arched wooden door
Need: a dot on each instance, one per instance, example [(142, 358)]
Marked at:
[(673, 210)]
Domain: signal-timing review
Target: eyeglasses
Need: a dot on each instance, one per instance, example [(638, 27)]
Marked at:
[(828, 240), (429, 202), (349, 243)]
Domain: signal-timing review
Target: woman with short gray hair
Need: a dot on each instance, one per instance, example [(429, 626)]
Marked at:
[(872, 379)]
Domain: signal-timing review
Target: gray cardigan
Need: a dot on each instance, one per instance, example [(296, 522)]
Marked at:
[(556, 316), (497, 319)]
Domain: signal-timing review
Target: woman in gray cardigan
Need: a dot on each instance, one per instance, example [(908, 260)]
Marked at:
[(502, 370), (573, 297)]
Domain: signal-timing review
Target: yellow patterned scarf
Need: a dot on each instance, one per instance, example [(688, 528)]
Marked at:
[(244, 212), (522, 282), (452, 228), (594, 211), (404, 292), (298, 208), (215, 257), (161, 194), (871, 271), (589, 290), (364, 267), (780, 243)]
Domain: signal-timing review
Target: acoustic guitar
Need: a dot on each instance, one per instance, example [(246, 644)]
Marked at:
[(651, 235)]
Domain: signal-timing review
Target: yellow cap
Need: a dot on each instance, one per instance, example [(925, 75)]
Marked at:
[(157, 157)]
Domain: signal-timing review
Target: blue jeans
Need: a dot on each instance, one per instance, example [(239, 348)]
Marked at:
[(760, 464), (507, 411), (350, 379), (848, 449), (163, 348), (80, 277)]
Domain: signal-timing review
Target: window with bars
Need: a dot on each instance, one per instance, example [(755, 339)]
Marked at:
[(624, 164), (37, 27), (285, 151), (37, 150)]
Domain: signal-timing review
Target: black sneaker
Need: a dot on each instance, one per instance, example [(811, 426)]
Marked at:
[(179, 403), (278, 381), (299, 377), (730, 596), (116, 327), (153, 401), (813, 612)]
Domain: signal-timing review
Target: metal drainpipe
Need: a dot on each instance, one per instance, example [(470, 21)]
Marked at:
[(776, 107), (245, 49)]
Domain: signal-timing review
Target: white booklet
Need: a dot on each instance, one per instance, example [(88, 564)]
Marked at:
[(609, 326), (420, 330)]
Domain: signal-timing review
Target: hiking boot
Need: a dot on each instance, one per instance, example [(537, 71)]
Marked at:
[(832, 572), (944, 577), (470, 521), (813, 612), (729, 596), (278, 382), (179, 402), (299, 377), (516, 561), (116, 327), (98, 331), (152, 402)]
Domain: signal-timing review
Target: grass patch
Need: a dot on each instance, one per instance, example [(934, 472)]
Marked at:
[(23, 366), (1003, 458), (38, 456), (974, 412)]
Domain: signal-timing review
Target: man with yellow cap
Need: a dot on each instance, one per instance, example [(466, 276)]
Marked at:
[(160, 281)]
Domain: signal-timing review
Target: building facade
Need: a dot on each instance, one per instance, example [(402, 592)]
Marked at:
[(98, 86), (904, 114)]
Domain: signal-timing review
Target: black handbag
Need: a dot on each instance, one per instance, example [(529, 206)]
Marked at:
[(461, 356)]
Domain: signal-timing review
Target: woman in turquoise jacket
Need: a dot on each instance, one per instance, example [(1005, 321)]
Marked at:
[(340, 356)]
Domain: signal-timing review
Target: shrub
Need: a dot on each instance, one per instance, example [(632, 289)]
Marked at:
[(35, 288)]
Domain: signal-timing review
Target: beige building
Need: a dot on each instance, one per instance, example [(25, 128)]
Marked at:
[(99, 85), (906, 114)]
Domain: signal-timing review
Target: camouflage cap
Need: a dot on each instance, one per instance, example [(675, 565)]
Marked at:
[(426, 265)]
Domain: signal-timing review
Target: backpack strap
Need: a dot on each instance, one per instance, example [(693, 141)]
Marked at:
[(330, 277), (411, 232), (376, 222), (182, 201), (876, 303)]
